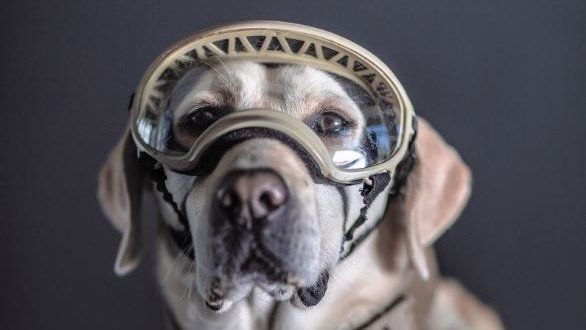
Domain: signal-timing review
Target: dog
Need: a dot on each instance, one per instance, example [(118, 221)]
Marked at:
[(273, 262)]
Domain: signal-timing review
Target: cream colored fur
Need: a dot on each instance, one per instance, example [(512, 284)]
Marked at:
[(396, 259)]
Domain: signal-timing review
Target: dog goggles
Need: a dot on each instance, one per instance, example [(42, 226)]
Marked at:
[(337, 101)]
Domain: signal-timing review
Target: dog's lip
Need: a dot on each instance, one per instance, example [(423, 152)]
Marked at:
[(265, 266), (214, 305), (218, 306), (295, 281), (285, 279), (220, 295)]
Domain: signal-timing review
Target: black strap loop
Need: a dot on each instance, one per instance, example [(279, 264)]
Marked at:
[(157, 174), (372, 190), (369, 193)]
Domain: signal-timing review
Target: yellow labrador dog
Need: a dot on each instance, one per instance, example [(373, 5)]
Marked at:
[(266, 236)]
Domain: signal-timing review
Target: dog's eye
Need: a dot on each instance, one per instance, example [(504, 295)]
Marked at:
[(330, 123), (196, 121)]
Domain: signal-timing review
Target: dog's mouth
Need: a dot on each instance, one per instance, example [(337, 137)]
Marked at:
[(287, 287), (262, 270), (265, 266)]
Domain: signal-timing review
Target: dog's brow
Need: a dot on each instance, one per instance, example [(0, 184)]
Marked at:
[(242, 83), (224, 90), (310, 90)]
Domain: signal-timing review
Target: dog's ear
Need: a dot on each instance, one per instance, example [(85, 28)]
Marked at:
[(120, 188), (436, 192)]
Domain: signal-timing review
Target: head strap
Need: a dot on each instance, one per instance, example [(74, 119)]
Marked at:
[(157, 174), (371, 191)]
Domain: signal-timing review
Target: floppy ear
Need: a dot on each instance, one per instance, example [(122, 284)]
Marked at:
[(120, 194), (435, 194)]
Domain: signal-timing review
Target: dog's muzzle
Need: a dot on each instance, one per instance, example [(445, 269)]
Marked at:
[(258, 231)]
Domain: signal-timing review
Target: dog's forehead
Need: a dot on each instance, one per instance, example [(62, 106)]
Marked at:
[(247, 84), (304, 80)]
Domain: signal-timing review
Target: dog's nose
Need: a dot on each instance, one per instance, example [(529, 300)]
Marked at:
[(251, 195)]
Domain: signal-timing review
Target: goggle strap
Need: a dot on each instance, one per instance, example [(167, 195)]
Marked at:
[(131, 101), (370, 191), (157, 174), (372, 188)]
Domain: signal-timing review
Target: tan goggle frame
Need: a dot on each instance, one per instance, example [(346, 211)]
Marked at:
[(277, 42)]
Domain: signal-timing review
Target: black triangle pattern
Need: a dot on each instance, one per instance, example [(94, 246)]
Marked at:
[(192, 53), (311, 50), (369, 77), (222, 44), (343, 61), (238, 46), (328, 52), (275, 45), (294, 44), (358, 66), (208, 52), (168, 74), (155, 100), (149, 113), (256, 41)]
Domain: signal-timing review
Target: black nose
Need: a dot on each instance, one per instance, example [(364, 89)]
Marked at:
[(251, 195)]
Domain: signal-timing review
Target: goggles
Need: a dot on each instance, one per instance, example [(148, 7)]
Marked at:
[(335, 100)]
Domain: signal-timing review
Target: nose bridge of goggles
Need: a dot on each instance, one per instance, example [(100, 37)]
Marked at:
[(263, 123)]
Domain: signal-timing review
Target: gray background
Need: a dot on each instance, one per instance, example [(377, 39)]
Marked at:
[(503, 81)]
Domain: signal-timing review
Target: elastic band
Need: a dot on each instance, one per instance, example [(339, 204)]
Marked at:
[(157, 174)]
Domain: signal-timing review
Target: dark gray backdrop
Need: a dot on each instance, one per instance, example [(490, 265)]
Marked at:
[(503, 81)]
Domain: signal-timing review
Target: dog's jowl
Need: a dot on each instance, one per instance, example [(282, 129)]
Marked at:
[(295, 186)]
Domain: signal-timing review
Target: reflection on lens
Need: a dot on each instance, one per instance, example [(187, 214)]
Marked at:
[(349, 159)]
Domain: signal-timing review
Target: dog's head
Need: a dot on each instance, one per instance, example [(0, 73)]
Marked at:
[(260, 218)]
